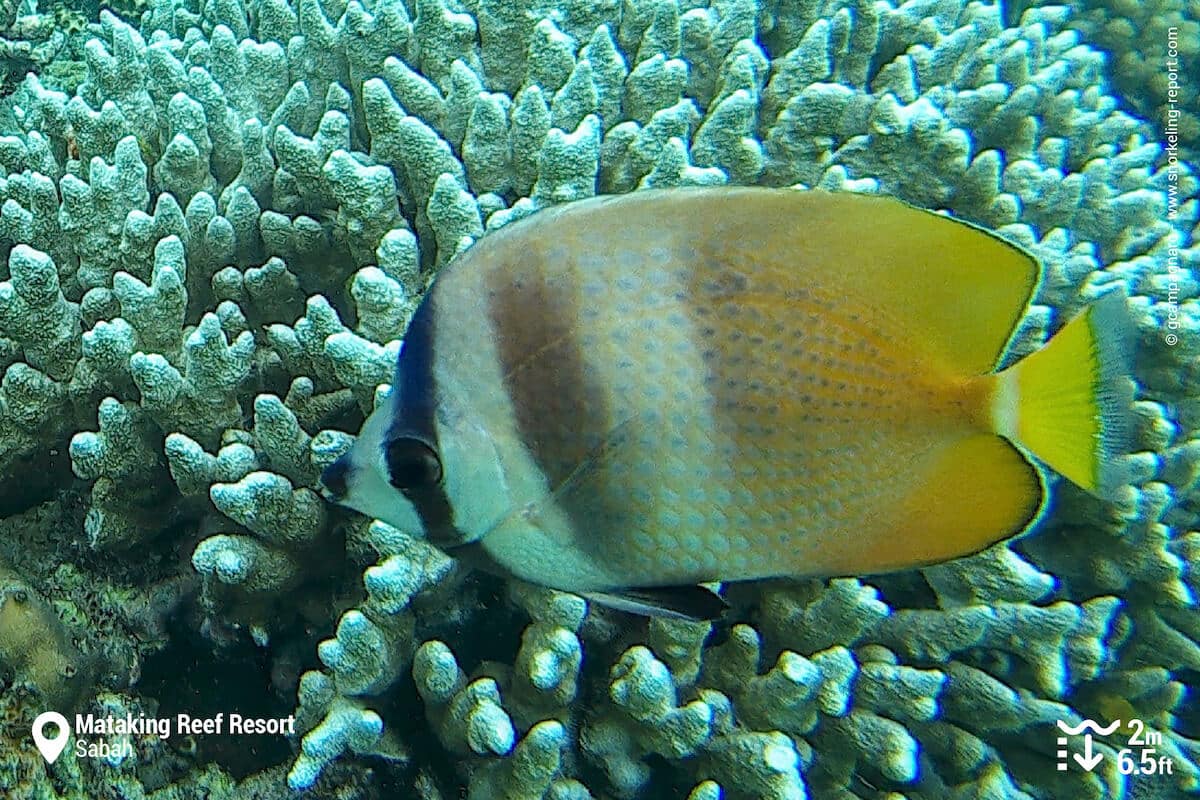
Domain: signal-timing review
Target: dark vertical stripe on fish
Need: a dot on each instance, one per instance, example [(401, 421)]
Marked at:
[(560, 409)]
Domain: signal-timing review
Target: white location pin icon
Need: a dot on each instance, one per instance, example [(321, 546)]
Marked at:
[(51, 747)]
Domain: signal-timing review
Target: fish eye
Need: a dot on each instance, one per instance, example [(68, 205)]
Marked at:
[(411, 464)]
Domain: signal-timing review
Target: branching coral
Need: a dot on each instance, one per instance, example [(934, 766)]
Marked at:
[(1153, 49)]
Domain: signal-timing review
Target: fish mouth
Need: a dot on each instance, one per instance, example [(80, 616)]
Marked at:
[(335, 480)]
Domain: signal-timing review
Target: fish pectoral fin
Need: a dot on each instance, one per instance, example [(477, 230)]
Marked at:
[(691, 603), (613, 447)]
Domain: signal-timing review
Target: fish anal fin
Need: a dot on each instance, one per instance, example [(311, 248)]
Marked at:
[(973, 493)]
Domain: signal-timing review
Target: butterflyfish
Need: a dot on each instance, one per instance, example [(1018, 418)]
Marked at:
[(627, 396)]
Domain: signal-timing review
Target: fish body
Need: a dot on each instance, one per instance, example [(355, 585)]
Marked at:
[(687, 385)]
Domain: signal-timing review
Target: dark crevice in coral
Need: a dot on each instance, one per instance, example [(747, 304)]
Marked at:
[(167, 518), (665, 782), (428, 759), (907, 589), (887, 52), (718, 634), (1187, 713), (1013, 10), (488, 637), (43, 474), (189, 677), (348, 418)]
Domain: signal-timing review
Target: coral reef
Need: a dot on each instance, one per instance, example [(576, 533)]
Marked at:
[(1153, 49), (50, 43), (214, 242)]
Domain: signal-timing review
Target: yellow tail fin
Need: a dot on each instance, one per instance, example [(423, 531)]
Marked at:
[(1069, 403)]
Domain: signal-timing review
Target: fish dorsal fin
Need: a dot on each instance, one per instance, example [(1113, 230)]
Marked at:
[(954, 291), (962, 287)]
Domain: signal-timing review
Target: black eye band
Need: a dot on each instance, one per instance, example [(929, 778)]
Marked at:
[(412, 464)]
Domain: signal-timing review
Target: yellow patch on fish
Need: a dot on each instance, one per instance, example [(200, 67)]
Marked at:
[(688, 385)]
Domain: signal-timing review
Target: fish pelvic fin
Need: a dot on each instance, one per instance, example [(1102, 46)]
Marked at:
[(1069, 404), (687, 603)]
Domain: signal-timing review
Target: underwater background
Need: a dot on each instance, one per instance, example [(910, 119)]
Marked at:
[(217, 219)]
